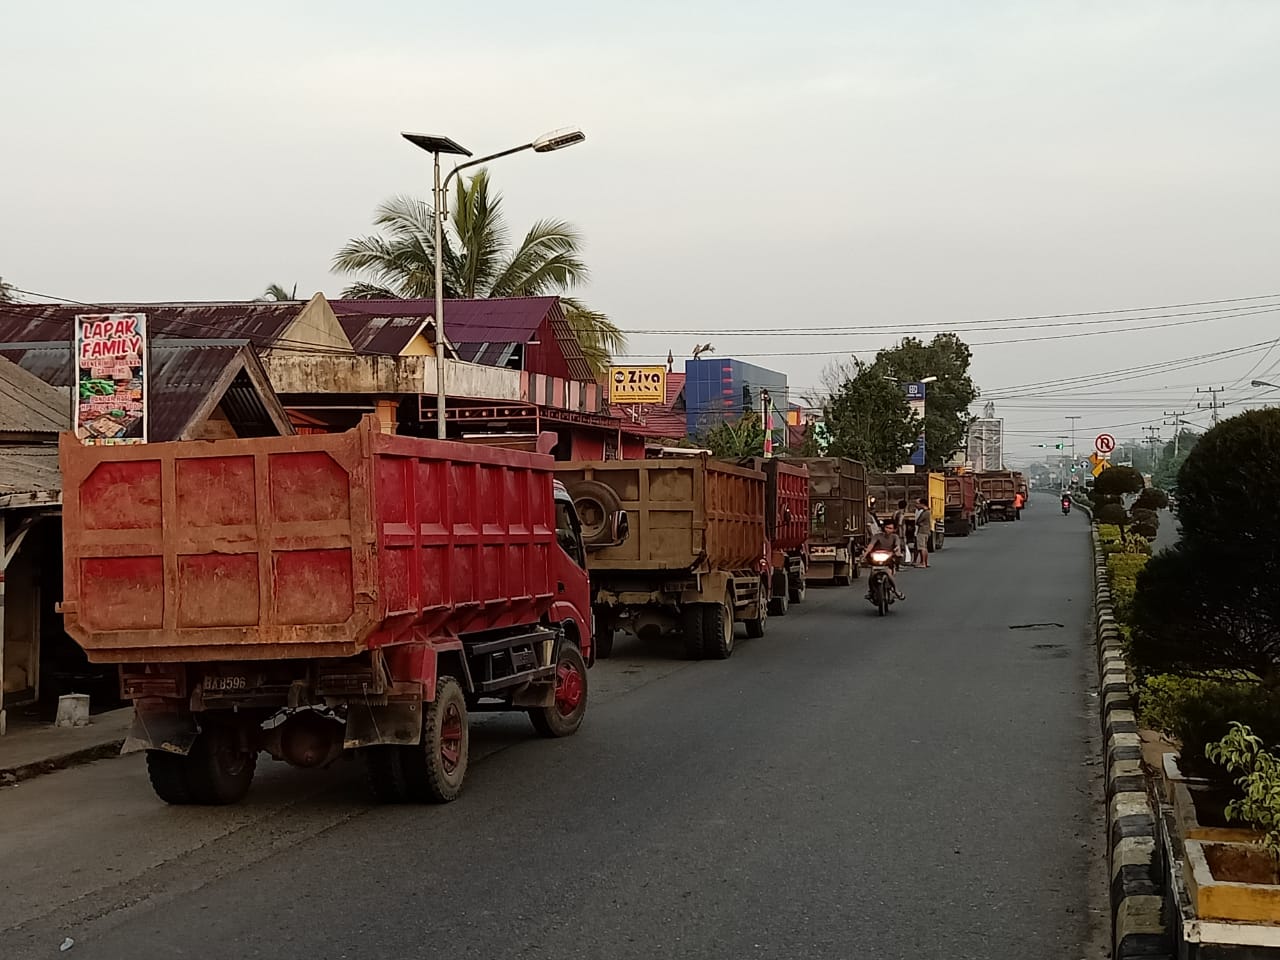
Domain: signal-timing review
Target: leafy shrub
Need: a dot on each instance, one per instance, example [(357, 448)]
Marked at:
[(1197, 711), (1242, 751), (1196, 612), (1148, 531), (1122, 571), (1136, 543), (1112, 513), (1118, 480), (1108, 533), (1100, 500), (1143, 515), (1152, 499)]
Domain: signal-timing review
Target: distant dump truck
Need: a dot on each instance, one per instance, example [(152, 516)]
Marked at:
[(837, 518), (999, 489), (961, 495), (316, 595), (786, 515), (695, 560), (888, 489)]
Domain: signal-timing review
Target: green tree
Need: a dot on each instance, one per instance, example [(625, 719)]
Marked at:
[(1118, 480), (278, 293), (1210, 604), (869, 419), (1172, 457), (743, 437), (947, 400), (479, 260)]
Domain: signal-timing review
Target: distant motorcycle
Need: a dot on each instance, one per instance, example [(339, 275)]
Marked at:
[(880, 585), (1066, 505)]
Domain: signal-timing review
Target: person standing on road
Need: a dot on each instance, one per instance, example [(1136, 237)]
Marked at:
[(1018, 501), (924, 524)]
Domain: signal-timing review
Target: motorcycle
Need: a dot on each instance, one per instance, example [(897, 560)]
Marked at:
[(1066, 505), (880, 589)]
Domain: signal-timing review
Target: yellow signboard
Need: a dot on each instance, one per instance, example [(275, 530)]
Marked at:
[(1099, 464), (638, 384)]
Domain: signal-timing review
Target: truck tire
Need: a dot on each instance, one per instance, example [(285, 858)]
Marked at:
[(384, 774), (780, 596), (596, 503), (844, 579), (435, 769), (798, 585), (218, 770), (564, 717), (168, 775), (717, 629), (693, 625), (602, 641), (755, 628)]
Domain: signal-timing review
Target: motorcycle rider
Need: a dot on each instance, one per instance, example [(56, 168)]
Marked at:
[(887, 539)]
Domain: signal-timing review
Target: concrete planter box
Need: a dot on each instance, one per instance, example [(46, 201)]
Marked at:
[(1232, 881)]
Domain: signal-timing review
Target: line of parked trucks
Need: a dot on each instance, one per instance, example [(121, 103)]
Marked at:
[(361, 594)]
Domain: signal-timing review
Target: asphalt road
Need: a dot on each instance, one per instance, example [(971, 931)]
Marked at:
[(920, 786)]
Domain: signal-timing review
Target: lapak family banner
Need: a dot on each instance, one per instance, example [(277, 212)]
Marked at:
[(110, 403)]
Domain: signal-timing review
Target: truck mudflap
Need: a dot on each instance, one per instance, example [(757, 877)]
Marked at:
[(161, 726), (397, 722)]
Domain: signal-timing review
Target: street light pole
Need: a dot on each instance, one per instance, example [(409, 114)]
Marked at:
[(1073, 441), (435, 145)]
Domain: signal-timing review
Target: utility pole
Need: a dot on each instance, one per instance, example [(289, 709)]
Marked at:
[(1177, 422), (1073, 441), (1153, 437), (1214, 405)]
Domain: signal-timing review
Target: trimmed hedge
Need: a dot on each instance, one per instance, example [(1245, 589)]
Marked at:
[(1122, 572), (1197, 711)]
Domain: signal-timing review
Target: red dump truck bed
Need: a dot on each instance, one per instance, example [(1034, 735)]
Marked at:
[(290, 547), (786, 500)]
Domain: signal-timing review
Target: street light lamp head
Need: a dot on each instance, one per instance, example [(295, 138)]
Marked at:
[(435, 144), (558, 140), (928, 379), (1264, 383)]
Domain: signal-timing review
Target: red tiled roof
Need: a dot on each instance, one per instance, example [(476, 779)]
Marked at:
[(666, 420)]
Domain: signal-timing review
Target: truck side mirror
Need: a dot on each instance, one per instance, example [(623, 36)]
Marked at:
[(621, 526)]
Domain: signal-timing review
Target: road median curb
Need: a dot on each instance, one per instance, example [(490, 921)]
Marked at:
[(1139, 926)]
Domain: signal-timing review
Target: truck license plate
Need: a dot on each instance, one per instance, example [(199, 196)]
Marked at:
[(823, 553), (220, 684)]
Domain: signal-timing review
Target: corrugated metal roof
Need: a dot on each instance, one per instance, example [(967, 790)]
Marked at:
[(29, 405), (180, 378), (29, 469), (478, 329), (384, 334), (262, 323)]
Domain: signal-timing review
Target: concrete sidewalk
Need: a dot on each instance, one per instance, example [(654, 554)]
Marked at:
[(29, 750)]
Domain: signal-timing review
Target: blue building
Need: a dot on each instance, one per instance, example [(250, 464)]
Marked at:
[(716, 390)]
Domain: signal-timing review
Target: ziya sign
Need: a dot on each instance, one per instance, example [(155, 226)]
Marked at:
[(638, 384), (110, 400)]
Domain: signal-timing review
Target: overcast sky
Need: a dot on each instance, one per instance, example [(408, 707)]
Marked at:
[(903, 166)]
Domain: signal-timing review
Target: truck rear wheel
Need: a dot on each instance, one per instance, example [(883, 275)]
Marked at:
[(755, 627), (564, 717), (217, 771), (435, 768), (781, 594), (602, 641), (384, 774), (693, 624), (717, 629), (798, 586)]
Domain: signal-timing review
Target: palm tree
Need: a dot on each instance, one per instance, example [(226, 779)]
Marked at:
[(278, 293), (479, 261)]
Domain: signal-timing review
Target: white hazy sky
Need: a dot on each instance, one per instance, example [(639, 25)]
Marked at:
[(748, 165)]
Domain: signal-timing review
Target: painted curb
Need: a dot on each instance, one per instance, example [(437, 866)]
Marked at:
[(1138, 923)]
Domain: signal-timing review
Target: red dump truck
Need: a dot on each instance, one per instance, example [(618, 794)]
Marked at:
[(837, 518), (998, 489), (786, 519), (962, 519), (694, 563), (318, 595)]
